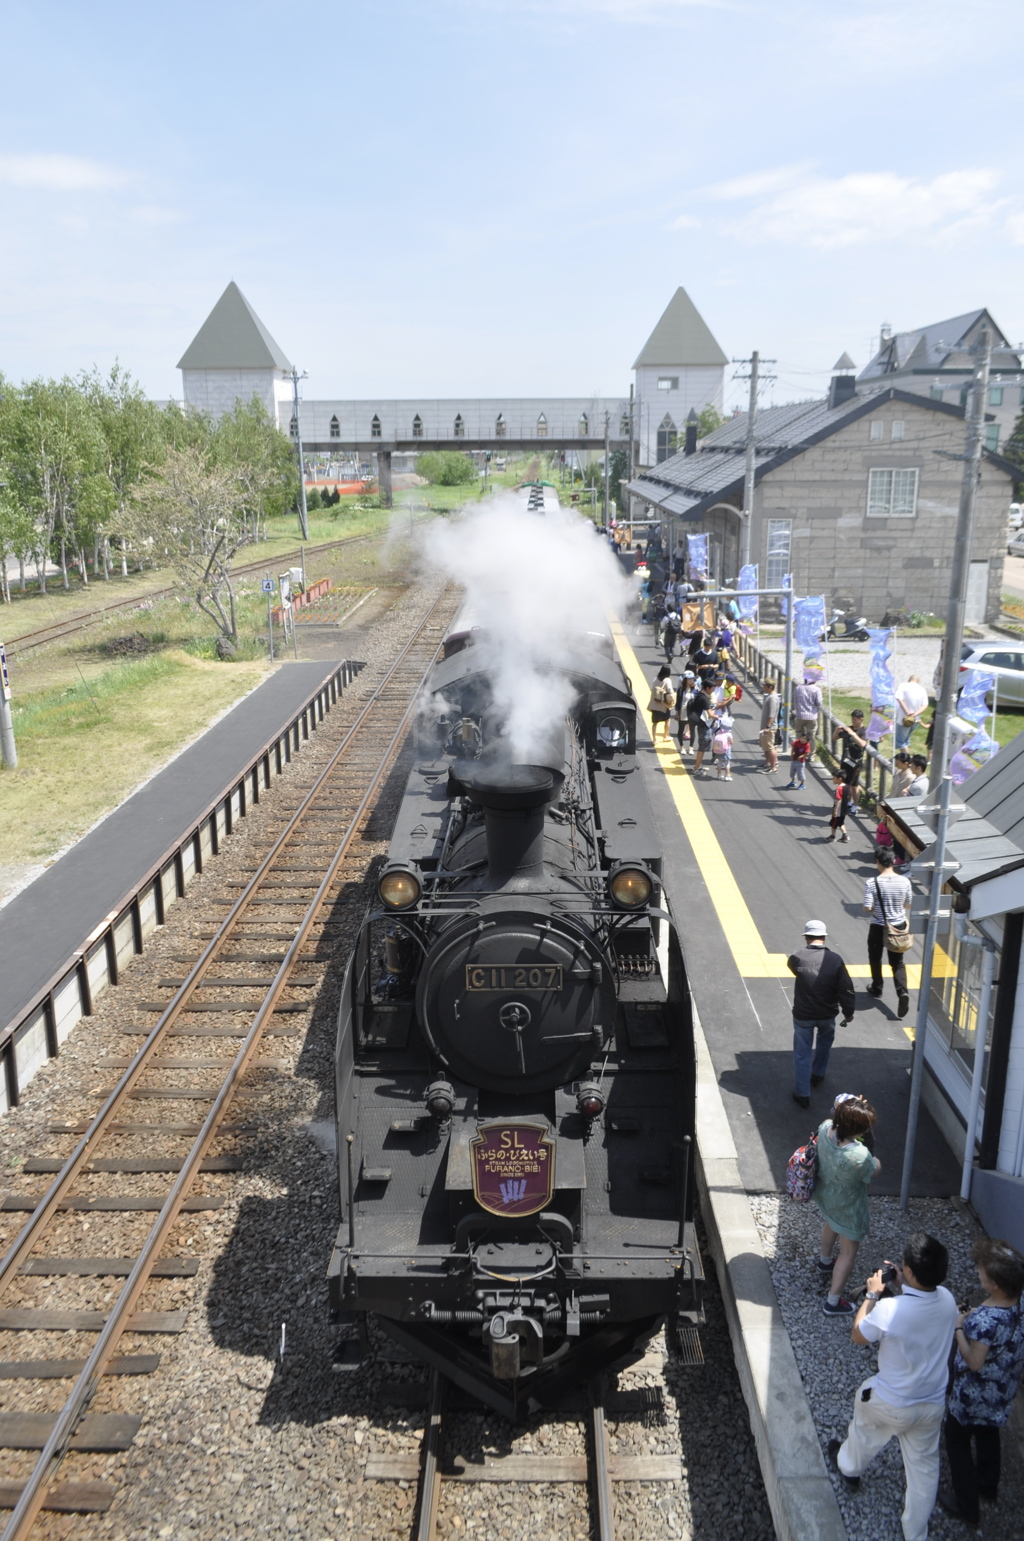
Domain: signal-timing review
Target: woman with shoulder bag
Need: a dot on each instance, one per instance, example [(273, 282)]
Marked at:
[(845, 1167), (663, 697)]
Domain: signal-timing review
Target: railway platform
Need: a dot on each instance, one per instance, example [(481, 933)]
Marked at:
[(44, 924)]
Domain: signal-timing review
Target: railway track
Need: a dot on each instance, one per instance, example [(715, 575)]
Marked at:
[(29, 640), (151, 1123)]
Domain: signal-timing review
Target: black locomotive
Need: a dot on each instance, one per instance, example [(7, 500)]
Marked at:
[(515, 1069)]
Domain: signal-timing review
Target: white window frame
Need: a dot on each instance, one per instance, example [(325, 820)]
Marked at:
[(778, 552), (668, 382), (995, 396), (992, 437), (898, 429), (875, 431), (887, 499)]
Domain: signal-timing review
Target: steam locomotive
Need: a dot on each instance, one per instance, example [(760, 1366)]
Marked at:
[(515, 1070)]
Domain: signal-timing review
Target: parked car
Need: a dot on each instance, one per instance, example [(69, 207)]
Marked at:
[(1016, 516), (1015, 544), (1004, 659)]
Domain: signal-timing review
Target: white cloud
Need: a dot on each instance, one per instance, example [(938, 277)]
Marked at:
[(1015, 229), (58, 173), (795, 205), (685, 222)]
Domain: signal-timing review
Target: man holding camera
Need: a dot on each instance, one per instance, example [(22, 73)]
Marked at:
[(906, 1398)]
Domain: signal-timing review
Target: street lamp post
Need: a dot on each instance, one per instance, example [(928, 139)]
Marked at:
[(303, 512), (8, 747)]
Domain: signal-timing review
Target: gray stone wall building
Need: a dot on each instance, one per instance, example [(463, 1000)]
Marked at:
[(855, 497)]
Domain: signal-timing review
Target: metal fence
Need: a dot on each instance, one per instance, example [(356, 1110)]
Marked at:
[(38, 1029)]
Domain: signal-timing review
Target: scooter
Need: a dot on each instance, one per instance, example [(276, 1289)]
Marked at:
[(847, 627)]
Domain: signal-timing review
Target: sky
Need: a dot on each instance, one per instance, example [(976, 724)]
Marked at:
[(499, 197)]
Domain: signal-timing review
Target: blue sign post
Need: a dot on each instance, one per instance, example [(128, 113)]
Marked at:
[(268, 589)]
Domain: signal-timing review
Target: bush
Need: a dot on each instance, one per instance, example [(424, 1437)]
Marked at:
[(446, 468)]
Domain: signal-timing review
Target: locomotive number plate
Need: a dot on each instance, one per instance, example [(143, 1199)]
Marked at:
[(513, 976)]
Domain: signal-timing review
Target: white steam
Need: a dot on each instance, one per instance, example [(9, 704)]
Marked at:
[(534, 583)]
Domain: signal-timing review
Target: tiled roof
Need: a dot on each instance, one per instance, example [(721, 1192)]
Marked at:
[(931, 347), (233, 337), (681, 337)]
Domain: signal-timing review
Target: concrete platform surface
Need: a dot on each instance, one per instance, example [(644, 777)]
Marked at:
[(746, 863), (41, 927)]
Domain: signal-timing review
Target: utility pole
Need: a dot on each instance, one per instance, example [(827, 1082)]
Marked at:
[(939, 809), (749, 471), (7, 744), (303, 513), (606, 454)]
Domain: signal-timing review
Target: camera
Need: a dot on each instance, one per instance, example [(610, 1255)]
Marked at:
[(889, 1273)]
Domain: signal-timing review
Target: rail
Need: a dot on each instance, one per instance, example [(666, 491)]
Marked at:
[(379, 728), (36, 1033)]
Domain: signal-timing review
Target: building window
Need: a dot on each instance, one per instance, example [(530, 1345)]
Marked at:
[(897, 431), (965, 391), (892, 494), (460, 427), (876, 431), (936, 393), (542, 427), (584, 425), (779, 534), (624, 426), (375, 427), (666, 438), (668, 382), (956, 994), (992, 436), (995, 396), (335, 428), (417, 427)]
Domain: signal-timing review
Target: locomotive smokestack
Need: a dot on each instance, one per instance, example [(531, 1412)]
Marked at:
[(514, 799)]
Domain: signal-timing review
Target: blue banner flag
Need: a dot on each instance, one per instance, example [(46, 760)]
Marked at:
[(972, 703), (974, 754), (808, 626), (697, 555), (747, 602), (883, 689)]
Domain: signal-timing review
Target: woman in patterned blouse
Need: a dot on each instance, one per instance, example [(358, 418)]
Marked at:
[(986, 1370)]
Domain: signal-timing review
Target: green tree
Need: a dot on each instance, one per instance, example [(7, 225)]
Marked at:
[(248, 444), (192, 511), (133, 429), (708, 419), (446, 468), (618, 472)]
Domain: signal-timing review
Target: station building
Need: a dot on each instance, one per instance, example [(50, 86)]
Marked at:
[(856, 495), (974, 1052)]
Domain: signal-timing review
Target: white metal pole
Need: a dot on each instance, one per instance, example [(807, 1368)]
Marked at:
[(749, 470), (988, 965), (895, 708), (8, 748)]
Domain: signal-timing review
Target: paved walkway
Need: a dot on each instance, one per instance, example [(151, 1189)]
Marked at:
[(43, 925), (746, 864)]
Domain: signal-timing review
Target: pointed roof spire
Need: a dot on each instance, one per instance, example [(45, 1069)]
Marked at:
[(681, 337), (233, 337), (845, 362)]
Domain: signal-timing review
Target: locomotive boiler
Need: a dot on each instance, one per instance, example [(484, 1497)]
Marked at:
[(515, 1073)]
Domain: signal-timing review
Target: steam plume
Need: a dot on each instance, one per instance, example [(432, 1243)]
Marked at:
[(534, 583)]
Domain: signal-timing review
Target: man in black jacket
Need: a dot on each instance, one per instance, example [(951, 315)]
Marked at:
[(823, 988)]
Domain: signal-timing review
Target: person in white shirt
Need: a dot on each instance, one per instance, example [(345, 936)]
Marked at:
[(911, 701), (887, 899), (906, 1398)]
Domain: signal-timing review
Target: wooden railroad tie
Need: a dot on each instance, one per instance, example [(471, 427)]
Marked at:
[(65, 1497), (156, 1164), (227, 1007), (528, 1468), (26, 1202), (239, 984), (67, 1369), (98, 1433), (122, 1061), (196, 1030), (109, 1267), (25, 1319)]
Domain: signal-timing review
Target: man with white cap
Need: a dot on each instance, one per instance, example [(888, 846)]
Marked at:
[(823, 988)]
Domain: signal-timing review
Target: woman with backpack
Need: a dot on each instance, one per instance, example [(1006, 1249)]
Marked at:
[(845, 1167), (663, 696)]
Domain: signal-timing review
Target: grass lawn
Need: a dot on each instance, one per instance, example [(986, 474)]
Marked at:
[(91, 723), (82, 747), (1009, 722)]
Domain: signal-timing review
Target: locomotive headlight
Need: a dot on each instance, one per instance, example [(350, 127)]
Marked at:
[(440, 1100), (589, 1099), (630, 887), (398, 888)]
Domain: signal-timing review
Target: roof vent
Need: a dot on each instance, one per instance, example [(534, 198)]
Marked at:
[(843, 363), (842, 388)]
